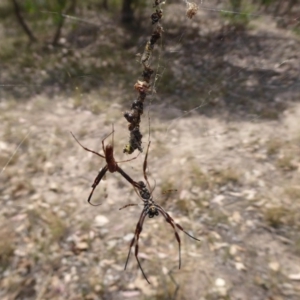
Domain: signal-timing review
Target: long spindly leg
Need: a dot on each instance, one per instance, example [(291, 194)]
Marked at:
[(136, 251), (145, 167), (134, 237), (135, 240), (127, 205), (177, 286), (87, 148), (177, 225), (128, 178), (171, 222), (96, 182), (122, 161), (112, 133), (135, 184), (181, 228)]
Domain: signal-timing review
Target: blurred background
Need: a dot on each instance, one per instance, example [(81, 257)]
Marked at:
[(224, 127)]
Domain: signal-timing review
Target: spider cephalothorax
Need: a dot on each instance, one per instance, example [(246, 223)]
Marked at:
[(149, 205)]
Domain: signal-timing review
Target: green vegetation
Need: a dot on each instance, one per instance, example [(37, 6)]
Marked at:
[(241, 19)]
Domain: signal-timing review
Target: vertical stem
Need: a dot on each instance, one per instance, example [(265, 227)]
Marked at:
[(61, 23), (127, 11), (104, 4), (22, 22), (290, 6)]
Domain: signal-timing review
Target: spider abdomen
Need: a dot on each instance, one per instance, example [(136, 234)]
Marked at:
[(110, 160)]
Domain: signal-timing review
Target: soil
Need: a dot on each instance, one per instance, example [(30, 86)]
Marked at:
[(225, 135)]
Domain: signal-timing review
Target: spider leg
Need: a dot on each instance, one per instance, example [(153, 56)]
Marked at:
[(96, 182), (153, 187), (127, 205), (128, 178), (137, 250), (171, 222), (128, 159), (135, 184), (175, 283), (135, 240), (112, 133), (145, 167), (181, 228), (87, 148), (136, 189)]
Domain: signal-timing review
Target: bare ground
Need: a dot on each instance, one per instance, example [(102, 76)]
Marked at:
[(236, 170)]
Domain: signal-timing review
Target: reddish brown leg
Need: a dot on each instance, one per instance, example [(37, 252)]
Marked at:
[(171, 221), (177, 225), (96, 182), (136, 252), (180, 227), (112, 133), (135, 240), (128, 178), (129, 159), (127, 205), (145, 167), (87, 149)]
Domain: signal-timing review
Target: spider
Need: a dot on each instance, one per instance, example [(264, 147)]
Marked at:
[(151, 209), (111, 165)]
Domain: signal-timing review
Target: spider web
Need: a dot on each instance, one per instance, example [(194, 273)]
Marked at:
[(172, 54), (242, 92), (201, 71), (209, 89)]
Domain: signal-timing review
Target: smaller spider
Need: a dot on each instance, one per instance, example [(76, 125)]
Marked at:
[(111, 165)]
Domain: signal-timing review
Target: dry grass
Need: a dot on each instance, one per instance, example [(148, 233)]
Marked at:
[(7, 247), (293, 192), (226, 176), (273, 146), (287, 162), (200, 178), (60, 233), (281, 216), (54, 248)]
